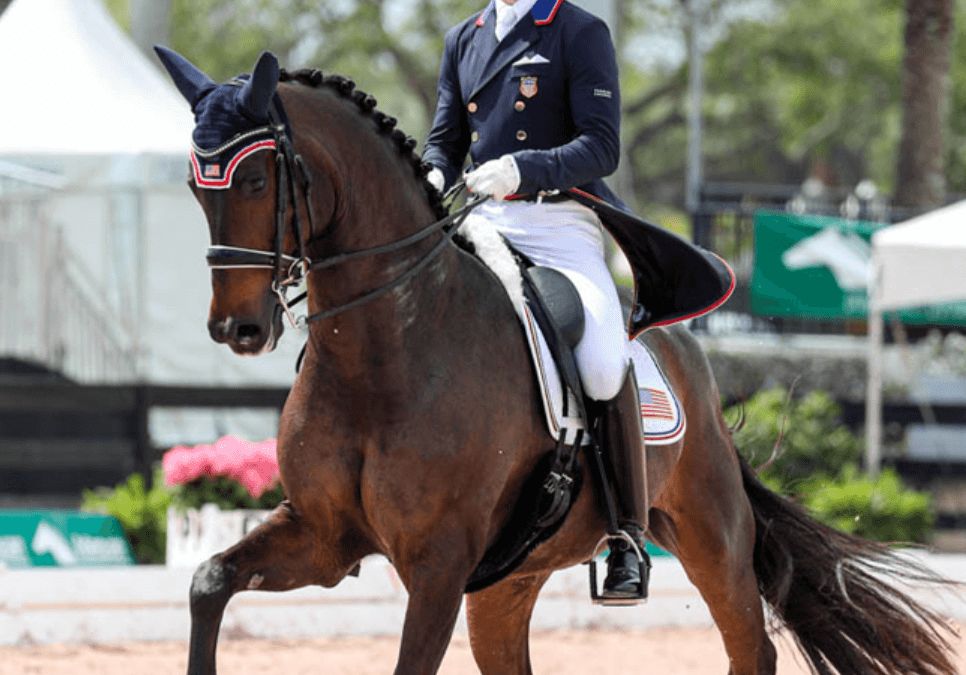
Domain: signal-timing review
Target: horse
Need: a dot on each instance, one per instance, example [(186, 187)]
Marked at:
[(414, 422)]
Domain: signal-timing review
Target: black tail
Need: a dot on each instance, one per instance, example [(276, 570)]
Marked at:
[(827, 587)]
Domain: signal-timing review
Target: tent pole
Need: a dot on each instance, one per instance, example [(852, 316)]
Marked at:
[(873, 393)]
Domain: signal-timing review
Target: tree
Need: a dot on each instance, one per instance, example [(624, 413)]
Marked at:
[(794, 92), (920, 169), (3, 5), (805, 87)]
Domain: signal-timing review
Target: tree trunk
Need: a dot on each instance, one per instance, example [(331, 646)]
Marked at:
[(4, 4), (920, 171)]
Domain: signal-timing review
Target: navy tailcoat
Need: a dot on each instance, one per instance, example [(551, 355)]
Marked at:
[(548, 94)]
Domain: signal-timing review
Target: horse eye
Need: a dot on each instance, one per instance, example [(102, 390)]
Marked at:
[(255, 183)]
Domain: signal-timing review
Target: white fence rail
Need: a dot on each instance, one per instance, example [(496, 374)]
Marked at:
[(150, 603)]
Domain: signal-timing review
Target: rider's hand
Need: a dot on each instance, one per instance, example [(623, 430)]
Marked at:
[(436, 179), (497, 178)]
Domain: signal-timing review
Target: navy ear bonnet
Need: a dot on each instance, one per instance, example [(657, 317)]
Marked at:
[(232, 120)]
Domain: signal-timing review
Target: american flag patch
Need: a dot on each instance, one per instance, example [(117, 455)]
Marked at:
[(212, 171), (655, 403)]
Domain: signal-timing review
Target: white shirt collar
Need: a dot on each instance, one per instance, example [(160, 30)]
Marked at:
[(520, 9)]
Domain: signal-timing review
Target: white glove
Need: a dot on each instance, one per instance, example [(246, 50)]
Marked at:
[(436, 179), (497, 178)]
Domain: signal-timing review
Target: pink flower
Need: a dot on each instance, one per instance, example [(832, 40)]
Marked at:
[(253, 465), (183, 465)]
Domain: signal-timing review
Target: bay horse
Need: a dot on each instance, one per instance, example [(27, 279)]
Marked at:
[(415, 421)]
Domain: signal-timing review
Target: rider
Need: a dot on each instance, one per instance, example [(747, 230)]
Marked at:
[(529, 89)]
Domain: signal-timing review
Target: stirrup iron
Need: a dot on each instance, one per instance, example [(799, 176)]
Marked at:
[(644, 570)]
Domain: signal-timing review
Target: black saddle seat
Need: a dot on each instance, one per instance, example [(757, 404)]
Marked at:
[(562, 301)]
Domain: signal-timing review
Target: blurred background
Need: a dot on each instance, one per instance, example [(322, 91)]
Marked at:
[(781, 134)]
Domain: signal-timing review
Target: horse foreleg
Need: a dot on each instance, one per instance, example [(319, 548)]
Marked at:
[(431, 613), (498, 619), (434, 572), (280, 554)]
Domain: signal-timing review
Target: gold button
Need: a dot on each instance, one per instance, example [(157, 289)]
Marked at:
[(472, 107), (475, 136), (521, 135), (519, 106)]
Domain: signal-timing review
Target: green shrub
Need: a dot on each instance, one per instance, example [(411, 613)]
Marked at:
[(882, 509), (225, 493), (142, 513), (817, 464), (813, 440)]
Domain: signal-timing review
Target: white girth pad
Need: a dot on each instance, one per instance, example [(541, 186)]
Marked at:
[(661, 413)]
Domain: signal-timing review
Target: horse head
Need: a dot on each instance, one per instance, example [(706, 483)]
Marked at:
[(254, 205), (234, 181)]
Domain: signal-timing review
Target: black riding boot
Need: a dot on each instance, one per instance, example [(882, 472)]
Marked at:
[(623, 453)]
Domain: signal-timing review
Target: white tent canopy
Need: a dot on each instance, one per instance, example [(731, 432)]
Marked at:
[(88, 115), (73, 83), (921, 260), (916, 263)]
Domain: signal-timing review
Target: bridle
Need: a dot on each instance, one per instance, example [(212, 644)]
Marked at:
[(291, 270)]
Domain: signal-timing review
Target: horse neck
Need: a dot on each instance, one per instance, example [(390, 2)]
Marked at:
[(378, 200)]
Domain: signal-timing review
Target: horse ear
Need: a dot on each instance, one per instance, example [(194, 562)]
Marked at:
[(191, 82), (257, 92)]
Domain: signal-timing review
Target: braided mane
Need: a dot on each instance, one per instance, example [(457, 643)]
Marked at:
[(386, 124)]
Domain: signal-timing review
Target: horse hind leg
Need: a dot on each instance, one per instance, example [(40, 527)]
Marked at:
[(281, 554), (498, 621), (707, 522)]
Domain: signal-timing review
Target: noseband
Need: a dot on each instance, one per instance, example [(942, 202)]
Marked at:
[(291, 270)]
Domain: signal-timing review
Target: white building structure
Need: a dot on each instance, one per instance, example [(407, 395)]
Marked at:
[(102, 269)]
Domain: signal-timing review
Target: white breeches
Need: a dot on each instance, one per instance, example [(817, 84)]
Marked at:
[(567, 237)]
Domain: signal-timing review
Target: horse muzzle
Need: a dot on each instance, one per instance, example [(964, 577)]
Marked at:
[(248, 336)]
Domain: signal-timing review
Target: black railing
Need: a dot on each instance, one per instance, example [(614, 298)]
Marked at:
[(57, 437), (724, 223)]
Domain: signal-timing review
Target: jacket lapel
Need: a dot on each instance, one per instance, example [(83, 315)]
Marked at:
[(524, 35)]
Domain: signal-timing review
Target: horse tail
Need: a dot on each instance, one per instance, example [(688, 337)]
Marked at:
[(827, 587)]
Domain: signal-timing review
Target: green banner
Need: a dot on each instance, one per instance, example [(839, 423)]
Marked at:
[(61, 539), (817, 267)]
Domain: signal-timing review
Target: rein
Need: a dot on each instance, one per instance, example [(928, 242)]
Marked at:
[(450, 224), (291, 270)]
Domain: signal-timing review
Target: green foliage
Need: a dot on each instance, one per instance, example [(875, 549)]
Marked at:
[(223, 492), (142, 513), (791, 87), (121, 11), (816, 464), (882, 509), (790, 91), (813, 441)]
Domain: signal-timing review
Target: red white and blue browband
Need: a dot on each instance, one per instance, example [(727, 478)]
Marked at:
[(213, 169)]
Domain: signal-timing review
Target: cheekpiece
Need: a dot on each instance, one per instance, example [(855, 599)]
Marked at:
[(233, 120)]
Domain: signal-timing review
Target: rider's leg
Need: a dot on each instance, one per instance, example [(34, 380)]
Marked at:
[(567, 237), (624, 460), (603, 360)]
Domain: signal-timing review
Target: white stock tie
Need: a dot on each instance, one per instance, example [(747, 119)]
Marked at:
[(505, 22)]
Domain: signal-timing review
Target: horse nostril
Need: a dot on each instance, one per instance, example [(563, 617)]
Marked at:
[(219, 330), (247, 332)]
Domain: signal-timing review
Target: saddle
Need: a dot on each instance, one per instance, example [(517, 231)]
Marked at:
[(678, 280)]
